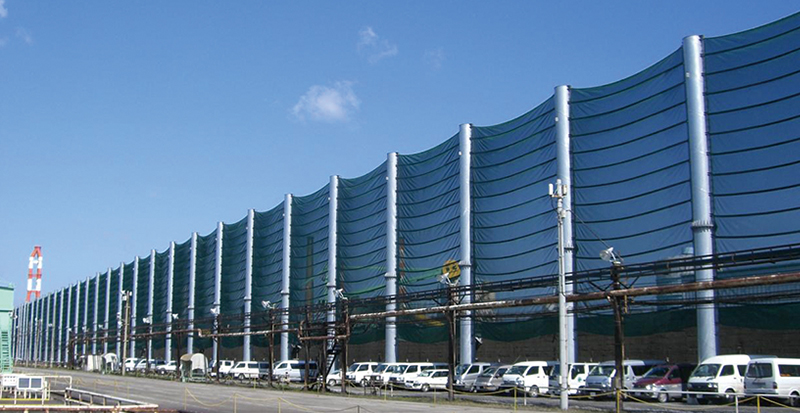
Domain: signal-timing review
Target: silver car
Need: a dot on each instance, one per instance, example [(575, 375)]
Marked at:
[(491, 378)]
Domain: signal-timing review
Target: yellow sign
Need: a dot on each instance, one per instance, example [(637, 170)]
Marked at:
[(452, 269)]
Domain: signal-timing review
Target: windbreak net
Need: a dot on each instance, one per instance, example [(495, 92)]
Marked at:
[(309, 262), (753, 111), (142, 301), (101, 300), (631, 175), (234, 252), (91, 308), (160, 280), (267, 267), (428, 231), (180, 291), (113, 303), (362, 245), (513, 223), (204, 286)]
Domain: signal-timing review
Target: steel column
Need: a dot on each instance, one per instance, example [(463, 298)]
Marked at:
[(45, 330), (86, 315), (190, 307), (61, 325), (150, 291), (217, 286), (285, 285), (94, 312), (134, 299), (465, 152), (564, 173), (170, 275), (333, 206), (390, 345), (702, 224), (108, 305), (120, 316), (248, 284)]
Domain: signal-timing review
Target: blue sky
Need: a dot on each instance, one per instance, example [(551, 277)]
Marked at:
[(127, 125)]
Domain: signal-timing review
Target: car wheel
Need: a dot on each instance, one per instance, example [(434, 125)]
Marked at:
[(425, 388), (702, 401), (729, 396), (241, 376), (364, 382), (663, 397), (473, 389), (331, 383), (533, 391), (794, 399)]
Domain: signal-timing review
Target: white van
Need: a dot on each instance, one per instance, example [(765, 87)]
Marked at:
[(412, 371), (359, 373), (601, 377), (578, 372), (294, 370), (531, 376), (466, 375), (245, 370), (225, 367), (385, 370), (718, 377), (776, 377)]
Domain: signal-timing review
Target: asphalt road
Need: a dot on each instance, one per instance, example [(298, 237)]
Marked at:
[(208, 398)]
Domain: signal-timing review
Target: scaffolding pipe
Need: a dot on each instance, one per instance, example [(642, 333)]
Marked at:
[(170, 275), (121, 278), (134, 299), (333, 206), (108, 305), (217, 289), (190, 306)]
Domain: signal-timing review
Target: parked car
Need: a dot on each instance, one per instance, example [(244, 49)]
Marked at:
[(664, 382), (141, 365), (358, 373), (427, 380), (225, 367), (334, 378), (578, 372), (245, 370), (385, 370), (719, 378), (294, 370), (601, 377), (528, 376), (774, 377), (411, 372), (167, 368), (491, 378), (466, 374), (130, 363)]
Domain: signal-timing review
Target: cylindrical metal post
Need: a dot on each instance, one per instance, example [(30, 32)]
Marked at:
[(333, 218), (285, 284), (190, 307), (248, 284), (150, 291), (61, 325), (170, 275), (564, 173), (390, 345), (108, 304), (45, 330), (702, 225), (217, 291), (94, 312), (465, 145), (121, 278), (134, 299), (86, 316)]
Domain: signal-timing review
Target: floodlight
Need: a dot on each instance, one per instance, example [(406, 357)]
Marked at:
[(214, 310), (147, 320), (340, 293), (609, 255), (174, 316), (265, 304)]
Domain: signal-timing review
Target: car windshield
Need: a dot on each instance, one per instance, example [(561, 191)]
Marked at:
[(517, 370), (380, 368), (489, 372), (461, 369), (602, 371), (656, 372), (426, 373), (759, 370), (706, 370), (353, 367), (554, 372)]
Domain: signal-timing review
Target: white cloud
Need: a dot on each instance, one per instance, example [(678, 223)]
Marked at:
[(327, 104), (374, 46), (3, 9), (24, 35), (434, 58)]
